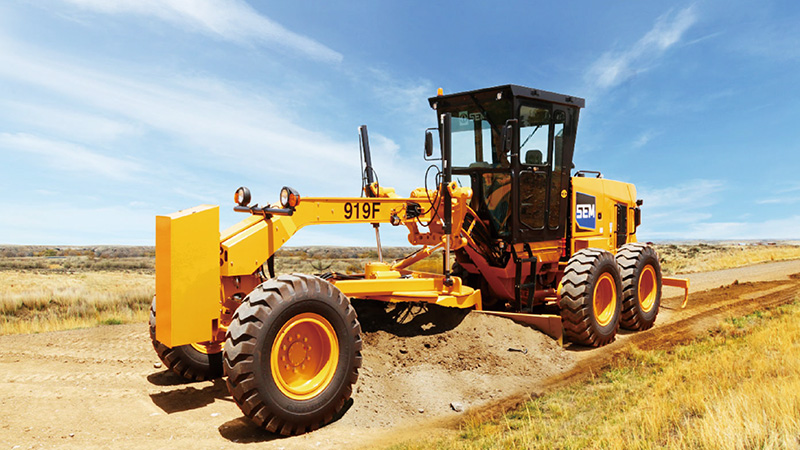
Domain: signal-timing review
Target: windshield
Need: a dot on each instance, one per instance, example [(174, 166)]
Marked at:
[(472, 141), (476, 125)]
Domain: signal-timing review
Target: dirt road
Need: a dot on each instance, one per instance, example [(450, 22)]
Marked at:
[(99, 388)]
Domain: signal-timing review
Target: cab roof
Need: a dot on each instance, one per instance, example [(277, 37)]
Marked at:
[(518, 92)]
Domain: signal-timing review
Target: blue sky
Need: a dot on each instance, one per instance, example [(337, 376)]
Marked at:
[(114, 112)]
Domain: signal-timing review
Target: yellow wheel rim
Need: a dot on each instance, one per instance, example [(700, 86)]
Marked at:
[(304, 356), (604, 300), (647, 288), (208, 348)]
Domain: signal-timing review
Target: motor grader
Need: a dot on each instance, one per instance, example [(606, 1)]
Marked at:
[(520, 236)]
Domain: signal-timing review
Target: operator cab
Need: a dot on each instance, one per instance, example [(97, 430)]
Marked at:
[(514, 147)]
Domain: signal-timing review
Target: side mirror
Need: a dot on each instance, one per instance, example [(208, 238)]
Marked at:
[(428, 143)]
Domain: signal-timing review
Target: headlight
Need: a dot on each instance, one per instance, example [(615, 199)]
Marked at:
[(289, 197), (242, 196)]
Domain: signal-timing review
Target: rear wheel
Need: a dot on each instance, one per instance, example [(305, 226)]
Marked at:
[(292, 354), (198, 362), (641, 285), (591, 298)]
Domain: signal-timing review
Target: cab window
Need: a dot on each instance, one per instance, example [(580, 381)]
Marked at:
[(534, 135)]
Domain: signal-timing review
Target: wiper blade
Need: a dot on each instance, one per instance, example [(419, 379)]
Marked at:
[(485, 114), (530, 136)]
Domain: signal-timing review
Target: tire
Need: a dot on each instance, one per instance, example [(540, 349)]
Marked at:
[(282, 383), (641, 286), (591, 299), (193, 361)]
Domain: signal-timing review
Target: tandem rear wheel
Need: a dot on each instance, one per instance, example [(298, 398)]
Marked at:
[(591, 298), (641, 285), (601, 292), (292, 354)]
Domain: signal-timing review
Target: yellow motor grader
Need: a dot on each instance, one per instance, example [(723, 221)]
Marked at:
[(525, 234)]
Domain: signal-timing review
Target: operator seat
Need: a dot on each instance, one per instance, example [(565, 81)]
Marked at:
[(533, 157)]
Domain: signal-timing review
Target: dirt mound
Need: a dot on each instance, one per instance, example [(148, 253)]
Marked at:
[(430, 361)]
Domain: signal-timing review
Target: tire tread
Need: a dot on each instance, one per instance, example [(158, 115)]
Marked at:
[(257, 310)]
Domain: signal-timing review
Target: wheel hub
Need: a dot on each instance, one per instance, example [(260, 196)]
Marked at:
[(304, 356), (297, 353), (647, 288), (604, 299)]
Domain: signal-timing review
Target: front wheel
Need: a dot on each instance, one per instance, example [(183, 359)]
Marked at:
[(591, 298), (197, 362), (292, 354)]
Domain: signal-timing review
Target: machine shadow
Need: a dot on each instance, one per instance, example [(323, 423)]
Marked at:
[(188, 398), (406, 319), (243, 431), (167, 378)]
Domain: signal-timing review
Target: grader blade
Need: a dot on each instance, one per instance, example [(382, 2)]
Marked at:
[(548, 324)]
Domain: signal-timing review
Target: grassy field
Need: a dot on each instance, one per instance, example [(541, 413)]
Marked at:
[(53, 288), (690, 258), (737, 388), (36, 301)]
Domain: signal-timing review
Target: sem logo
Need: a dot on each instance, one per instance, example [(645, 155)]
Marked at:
[(585, 211)]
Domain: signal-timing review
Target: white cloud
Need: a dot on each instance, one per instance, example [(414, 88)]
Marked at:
[(670, 211), (33, 223), (786, 192), (768, 37), (615, 67), (192, 138), (225, 125), (231, 20), (682, 212), (778, 229), (68, 156), (409, 98), (790, 188), (690, 195), (778, 201), (78, 125), (644, 139)]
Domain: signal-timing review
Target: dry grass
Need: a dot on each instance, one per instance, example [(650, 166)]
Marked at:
[(33, 302), (708, 257), (42, 293), (77, 263), (739, 388)]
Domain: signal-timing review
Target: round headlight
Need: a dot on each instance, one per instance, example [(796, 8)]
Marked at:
[(285, 197), (289, 197), (242, 196)]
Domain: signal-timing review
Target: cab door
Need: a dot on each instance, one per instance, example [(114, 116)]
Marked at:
[(540, 172)]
